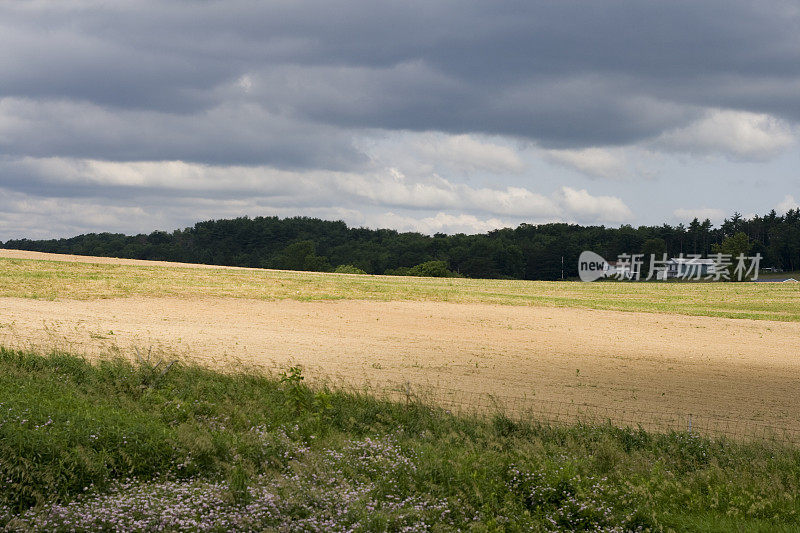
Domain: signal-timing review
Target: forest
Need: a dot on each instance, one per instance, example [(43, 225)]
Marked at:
[(540, 252)]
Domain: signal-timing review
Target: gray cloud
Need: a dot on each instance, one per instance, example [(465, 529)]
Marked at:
[(310, 105), (564, 74), (233, 132)]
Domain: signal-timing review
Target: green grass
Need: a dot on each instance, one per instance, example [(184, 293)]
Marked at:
[(127, 442), (60, 280)]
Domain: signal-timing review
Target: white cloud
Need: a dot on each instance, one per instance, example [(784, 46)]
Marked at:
[(423, 154), (468, 154), (395, 189), (197, 192), (598, 162), (389, 187), (38, 218), (512, 201), (245, 83), (585, 208), (439, 223), (716, 216), (392, 188), (174, 175), (736, 134), (786, 204)]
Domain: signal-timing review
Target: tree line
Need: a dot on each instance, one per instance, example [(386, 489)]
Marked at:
[(543, 251)]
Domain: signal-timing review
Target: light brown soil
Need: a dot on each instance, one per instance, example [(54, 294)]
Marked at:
[(628, 364)]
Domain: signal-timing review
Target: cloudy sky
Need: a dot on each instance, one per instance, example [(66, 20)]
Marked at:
[(422, 115)]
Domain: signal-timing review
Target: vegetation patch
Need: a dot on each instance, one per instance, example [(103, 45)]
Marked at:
[(348, 269), (542, 252), (124, 446)]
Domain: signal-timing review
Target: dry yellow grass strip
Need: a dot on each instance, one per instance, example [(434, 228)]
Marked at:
[(51, 276)]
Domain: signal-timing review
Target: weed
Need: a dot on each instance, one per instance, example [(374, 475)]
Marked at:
[(82, 448), (297, 396), (151, 373)]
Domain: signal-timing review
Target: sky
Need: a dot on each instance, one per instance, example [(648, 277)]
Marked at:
[(430, 116)]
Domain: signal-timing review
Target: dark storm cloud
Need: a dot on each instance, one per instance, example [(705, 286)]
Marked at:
[(287, 83)]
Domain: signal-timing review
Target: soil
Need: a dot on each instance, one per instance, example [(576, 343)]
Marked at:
[(629, 367)]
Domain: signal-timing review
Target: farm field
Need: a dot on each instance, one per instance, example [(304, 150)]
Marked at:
[(50, 276), (563, 348)]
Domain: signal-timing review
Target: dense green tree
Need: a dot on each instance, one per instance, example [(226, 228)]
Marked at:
[(527, 251), (735, 247), (301, 255), (652, 249), (431, 269)]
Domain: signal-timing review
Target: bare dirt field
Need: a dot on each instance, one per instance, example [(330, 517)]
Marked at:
[(525, 356)]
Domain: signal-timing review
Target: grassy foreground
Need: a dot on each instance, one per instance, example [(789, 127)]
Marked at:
[(131, 447), (27, 278)]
